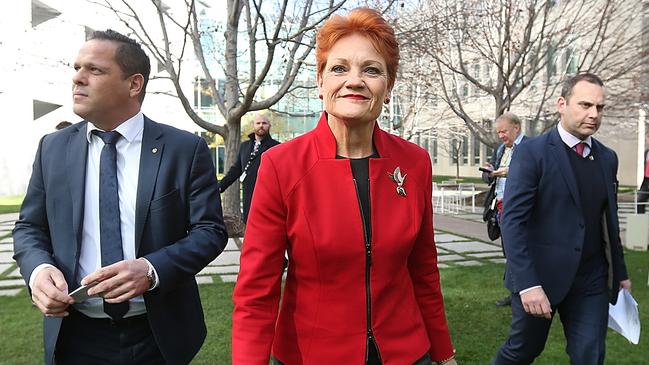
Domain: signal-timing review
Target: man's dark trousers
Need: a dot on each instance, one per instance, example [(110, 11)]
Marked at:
[(130, 341), (583, 314)]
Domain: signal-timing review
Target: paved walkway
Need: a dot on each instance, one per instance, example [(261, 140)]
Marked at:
[(461, 241), (468, 225)]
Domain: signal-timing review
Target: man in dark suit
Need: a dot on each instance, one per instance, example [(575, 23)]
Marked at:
[(561, 232), (643, 193), (246, 166), (508, 128), (123, 203)]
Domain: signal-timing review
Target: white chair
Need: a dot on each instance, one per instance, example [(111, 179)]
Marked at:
[(467, 190)]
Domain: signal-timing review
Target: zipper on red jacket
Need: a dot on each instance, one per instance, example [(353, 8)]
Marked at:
[(368, 294)]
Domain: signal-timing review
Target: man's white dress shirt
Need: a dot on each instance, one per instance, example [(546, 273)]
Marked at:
[(128, 148)]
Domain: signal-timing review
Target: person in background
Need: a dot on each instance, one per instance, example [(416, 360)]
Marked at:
[(508, 128), (62, 125), (125, 206), (643, 193), (246, 166), (560, 227), (352, 205)]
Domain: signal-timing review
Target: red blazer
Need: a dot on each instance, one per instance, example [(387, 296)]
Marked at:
[(305, 202)]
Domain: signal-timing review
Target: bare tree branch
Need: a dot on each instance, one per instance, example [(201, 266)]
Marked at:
[(516, 53), (278, 37)]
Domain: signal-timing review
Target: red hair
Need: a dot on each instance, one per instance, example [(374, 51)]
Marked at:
[(368, 23)]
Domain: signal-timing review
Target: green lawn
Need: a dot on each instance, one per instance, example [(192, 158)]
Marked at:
[(10, 204), (9, 209), (477, 325), (11, 200), (21, 331)]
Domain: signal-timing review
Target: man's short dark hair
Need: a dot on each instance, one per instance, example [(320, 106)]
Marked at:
[(62, 125), (130, 56), (570, 83)]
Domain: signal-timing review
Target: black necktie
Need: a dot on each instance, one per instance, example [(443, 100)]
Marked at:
[(110, 233)]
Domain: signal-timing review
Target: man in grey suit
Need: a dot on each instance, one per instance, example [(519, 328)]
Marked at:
[(127, 205)]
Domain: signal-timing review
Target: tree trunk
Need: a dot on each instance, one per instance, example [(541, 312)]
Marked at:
[(232, 196)]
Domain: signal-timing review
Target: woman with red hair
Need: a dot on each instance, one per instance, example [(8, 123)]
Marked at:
[(351, 204)]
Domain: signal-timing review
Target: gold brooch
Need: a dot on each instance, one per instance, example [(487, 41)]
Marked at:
[(399, 179)]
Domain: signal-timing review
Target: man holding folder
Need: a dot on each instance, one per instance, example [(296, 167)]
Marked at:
[(561, 230)]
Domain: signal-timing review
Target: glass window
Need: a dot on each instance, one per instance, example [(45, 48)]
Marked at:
[(203, 97), (487, 74), (435, 150), (489, 152), (552, 59), (454, 151), (476, 151), (220, 159), (570, 61), (465, 150), (465, 89)]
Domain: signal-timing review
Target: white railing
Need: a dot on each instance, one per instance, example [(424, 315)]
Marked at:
[(450, 197), (626, 208)]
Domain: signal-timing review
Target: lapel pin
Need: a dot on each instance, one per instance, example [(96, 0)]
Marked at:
[(154, 150), (399, 179), (591, 158)]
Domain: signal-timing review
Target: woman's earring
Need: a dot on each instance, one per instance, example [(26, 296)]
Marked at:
[(386, 101), (320, 96)]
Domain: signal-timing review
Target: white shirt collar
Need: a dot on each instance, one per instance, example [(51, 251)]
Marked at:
[(518, 139), (571, 140), (129, 129)]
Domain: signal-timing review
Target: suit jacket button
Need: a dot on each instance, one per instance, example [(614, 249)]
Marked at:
[(578, 249), (581, 225)]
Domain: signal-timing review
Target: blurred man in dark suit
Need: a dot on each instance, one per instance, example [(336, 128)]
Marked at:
[(247, 164)]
